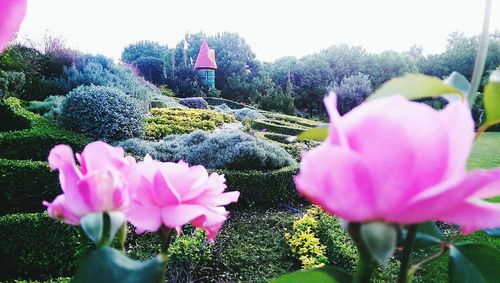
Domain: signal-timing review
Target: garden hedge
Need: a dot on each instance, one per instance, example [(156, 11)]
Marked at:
[(38, 136), (263, 189), (24, 184), (291, 119), (276, 126), (215, 101), (42, 247)]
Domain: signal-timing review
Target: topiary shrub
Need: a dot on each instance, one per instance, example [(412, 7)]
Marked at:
[(25, 184), (42, 248), (11, 121), (102, 113), (49, 108), (168, 121), (35, 141), (194, 102)]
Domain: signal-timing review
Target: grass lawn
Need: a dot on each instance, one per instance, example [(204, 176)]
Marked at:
[(485, 154)]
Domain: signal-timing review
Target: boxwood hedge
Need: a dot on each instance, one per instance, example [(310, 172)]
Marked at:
[(37, 135), (276, 126), (24, 184)]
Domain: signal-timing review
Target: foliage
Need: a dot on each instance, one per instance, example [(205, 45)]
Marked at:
[(352, 91), (49, 108), (215, 101), (241, 115), (12, 83), (304, 243), (42, 248), (186, 82), (161, 101), (102, 113), (274, 99), (165, 91), (187, 255), (167, 121), (144, 48), (251, 247), (151, 69), (21, 194), (276, 126), (387, 65), (194, 102), (33, 135), (101, 71)]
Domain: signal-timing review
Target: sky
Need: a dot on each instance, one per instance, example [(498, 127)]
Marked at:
[(273, 28)]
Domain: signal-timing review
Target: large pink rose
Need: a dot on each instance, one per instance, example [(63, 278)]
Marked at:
[(99, 184), (400, 161), (12, 13), (174, 194)]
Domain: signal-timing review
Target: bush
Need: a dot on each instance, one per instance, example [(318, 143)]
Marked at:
[(49, 108), (241, 115), (180, 121), (102, 113), (224, 150), (165, 91), (215, 101), (277, 126), (291, 119), (36, 137), (42, 247), (25, 184), (12, 83), (151, 69), (352, 91), (161, 101), (304, 243), (194, 102)]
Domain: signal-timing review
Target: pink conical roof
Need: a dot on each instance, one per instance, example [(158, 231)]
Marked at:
[(206, 57)]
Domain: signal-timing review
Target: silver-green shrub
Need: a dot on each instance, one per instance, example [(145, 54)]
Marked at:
[(241, 115), (49, 108), (102, 112)]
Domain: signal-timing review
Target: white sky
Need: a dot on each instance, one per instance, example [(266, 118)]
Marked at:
[(273, 28)]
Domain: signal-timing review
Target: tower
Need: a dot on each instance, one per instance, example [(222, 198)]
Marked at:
[(206, 65)]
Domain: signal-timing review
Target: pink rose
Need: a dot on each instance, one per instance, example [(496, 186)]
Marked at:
[(99, 184), (12, 13), (400, 161), (174, 194)]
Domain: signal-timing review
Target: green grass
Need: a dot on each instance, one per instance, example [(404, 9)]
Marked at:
[(485, 155)]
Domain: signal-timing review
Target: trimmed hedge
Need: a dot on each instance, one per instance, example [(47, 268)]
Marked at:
[(167, 121), (291, 119), (36, 141), (215, 101), (34, 246), (275, 126), (25, 184), (194, 102), (264, 188)]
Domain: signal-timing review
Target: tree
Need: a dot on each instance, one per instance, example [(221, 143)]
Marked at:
[(152, 69), (352, 91), (145, 48), (387, 65)]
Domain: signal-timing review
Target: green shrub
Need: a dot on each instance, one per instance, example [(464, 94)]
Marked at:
[(276, 126), (264, 189), (34, 246), (11, 121), (291, 119), (214, 101), (304, 242), (167, 121), (49, 108), (194, 102), (25, 184), (103, 113), (35, 141), (241, 115), (251, 247), (161, 101)]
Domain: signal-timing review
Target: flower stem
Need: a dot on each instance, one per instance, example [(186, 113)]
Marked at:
[(366, 265), (165, 235), (106, 230), (405, 259)]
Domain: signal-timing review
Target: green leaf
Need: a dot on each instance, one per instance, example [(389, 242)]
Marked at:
[(415, 86), (493, 232), (428, 234), (461, 83), (326, 274), (491, 99), (380, 239), (319, 133), (93, 225), (473, 262), (109, 265)]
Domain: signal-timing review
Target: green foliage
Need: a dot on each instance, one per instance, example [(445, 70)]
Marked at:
[(194, 102), (241, 115), (186, 82), (473, 263), (304, 243), (36, 137), (491, 100), (352, 91), (12, 83), (215, 101), (251, 247), (151, 69), (161, 101), (276, 126), (325, 274), (18, 193), (485, 152), (144, 48), (42, 248), (165, 91), (387, 65), (50, 108), (167, 121), (102, 113)]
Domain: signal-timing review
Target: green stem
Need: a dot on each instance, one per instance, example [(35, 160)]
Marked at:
[(165, 235), (366, 265), (122, 236), (105, 231), (482, 52), (405, 259)]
